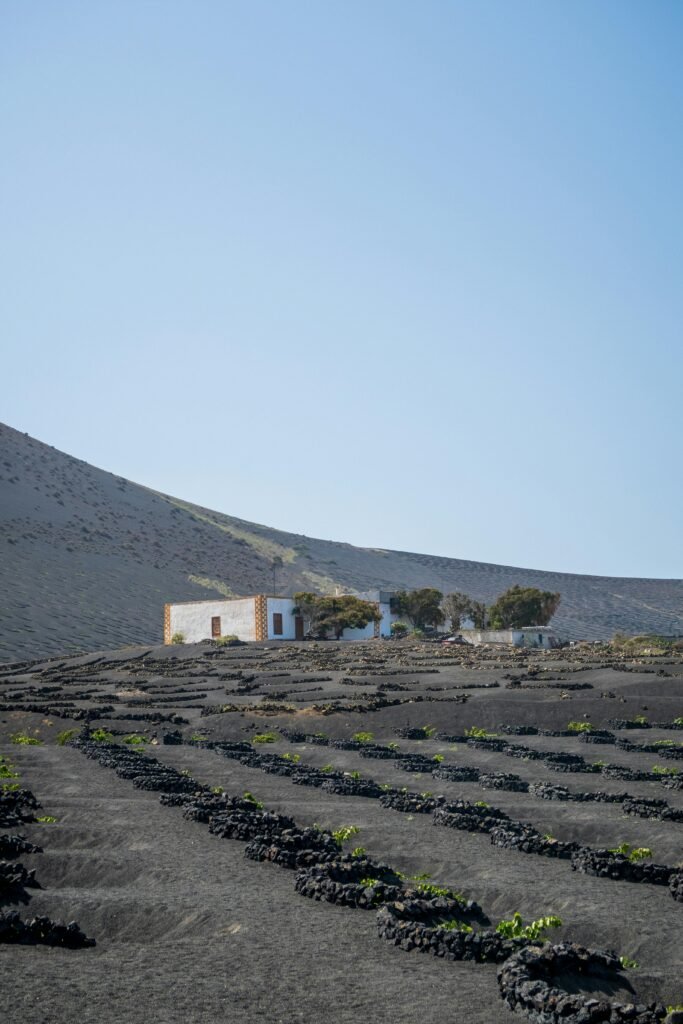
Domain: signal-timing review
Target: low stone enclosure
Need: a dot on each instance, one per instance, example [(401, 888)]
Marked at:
[(557, 761), (415, 762), (16, 809), (422, 924), (533, 981), (608, 864), (458, 814), (422, 917), (41, 931), (14, 878), (350, 882)]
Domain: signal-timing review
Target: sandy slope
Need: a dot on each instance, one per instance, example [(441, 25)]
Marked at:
[(88, 560)]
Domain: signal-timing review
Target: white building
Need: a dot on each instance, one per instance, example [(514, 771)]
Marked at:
[(260, 618), (527, 636)]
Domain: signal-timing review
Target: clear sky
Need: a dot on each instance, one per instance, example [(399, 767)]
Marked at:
[(405, 274)]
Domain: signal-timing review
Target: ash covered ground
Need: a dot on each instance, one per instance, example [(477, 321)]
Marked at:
[(189, 929)]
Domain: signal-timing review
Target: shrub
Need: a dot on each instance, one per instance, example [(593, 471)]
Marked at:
[(178, 638), (363, 737), (438, 891), (47, 819), (678, 721), (438, 758), (633, 854), (640, 853), (641, 720), (7, 770), (294, 758), (327, 768), (514, 927), (399, 628), (64, 737), (258, 804), (353, 775), (358, 851), (429, 731), (101, 736), (476, 733), (579, 726), (343, 834), (660, 769), (197, 737), (25, 740), (265, 737), (455, 926), (134, 740), (227, 641), (628, 963)]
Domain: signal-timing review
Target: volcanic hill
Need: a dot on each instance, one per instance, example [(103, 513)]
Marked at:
[(89, 558)]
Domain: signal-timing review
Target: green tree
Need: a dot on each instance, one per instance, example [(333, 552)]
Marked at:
[(334, 614), (306, 605), (456, 607), (523, 606), (422, 607), (479, 614)]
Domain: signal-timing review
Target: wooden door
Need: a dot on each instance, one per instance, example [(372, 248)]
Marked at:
[(298, 627), (215, 625)]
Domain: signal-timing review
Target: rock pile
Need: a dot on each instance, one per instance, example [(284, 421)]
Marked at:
[(41, 931), (528, 983)]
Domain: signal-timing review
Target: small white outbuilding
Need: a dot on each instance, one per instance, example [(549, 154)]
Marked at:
[(527, 636)]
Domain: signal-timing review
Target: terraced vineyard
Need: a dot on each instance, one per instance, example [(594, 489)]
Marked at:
[(327, 831)]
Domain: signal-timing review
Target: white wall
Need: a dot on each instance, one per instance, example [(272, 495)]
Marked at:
[(193, 619), (238, 617), (527, 637), (537, 637), (492, 636), (387, 618), (284, 605)]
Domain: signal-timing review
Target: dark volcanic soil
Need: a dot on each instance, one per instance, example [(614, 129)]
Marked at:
[(188, 929)]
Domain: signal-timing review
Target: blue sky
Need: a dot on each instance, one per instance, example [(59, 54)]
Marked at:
[(405, 275)]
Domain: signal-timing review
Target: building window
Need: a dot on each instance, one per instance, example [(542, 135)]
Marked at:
[(277, 623), (215, 625)]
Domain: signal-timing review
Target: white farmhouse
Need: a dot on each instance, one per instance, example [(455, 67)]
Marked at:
[(260, 618)]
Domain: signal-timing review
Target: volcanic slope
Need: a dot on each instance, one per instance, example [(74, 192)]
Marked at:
[(88, 560)]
